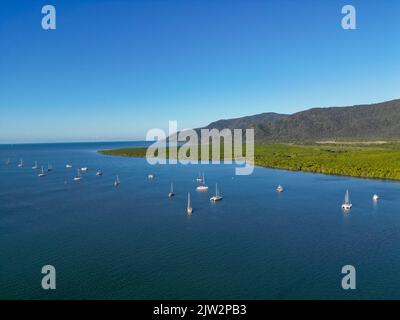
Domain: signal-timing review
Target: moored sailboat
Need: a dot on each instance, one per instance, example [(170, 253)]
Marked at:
[(41, 174), (203, 186), (217, 196), (199, 178), (189, 208), (171, 192), (117, 182), (347, 205), (78, 176)]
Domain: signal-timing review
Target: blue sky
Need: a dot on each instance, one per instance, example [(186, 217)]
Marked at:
[(114, 69)]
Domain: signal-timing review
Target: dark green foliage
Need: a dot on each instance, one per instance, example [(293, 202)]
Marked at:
[(357, 160)]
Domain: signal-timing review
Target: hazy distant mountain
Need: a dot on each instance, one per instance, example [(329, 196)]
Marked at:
[(374, 121)]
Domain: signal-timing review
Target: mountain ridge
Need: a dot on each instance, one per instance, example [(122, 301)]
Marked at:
[(366, 121)]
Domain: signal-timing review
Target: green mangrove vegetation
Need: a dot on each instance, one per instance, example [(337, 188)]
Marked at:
[(364, 160)]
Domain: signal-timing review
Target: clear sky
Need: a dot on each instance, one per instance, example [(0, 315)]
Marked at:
[(114, 69)]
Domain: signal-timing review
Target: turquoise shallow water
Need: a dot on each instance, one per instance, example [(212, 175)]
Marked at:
[(135, 243)]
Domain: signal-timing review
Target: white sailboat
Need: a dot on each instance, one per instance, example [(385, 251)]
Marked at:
[(68, 166), (217, 196), (49, 167), (117, 182), (189, 208), (199, 178), (35, 166), (84, 169), (41, 174), (203, 186), (21, 164), (375, 197), (151, 176), (171, 192), (347, 204), (280, 189), (99, 173), (78, 176)]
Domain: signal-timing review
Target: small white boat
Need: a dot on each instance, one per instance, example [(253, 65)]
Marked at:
[(199, 178), (84, 169), (375, 197), (99, 173), (151, 176), (49, 167), (78, 176), (117, 182), (41, 174), (347, 204), (280, 189), (171, 192), (68, 166), (203, 186), (21, 164), (217, 196), (35, 166), (189, 208)]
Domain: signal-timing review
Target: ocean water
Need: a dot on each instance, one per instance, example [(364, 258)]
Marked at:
[(133, 242)]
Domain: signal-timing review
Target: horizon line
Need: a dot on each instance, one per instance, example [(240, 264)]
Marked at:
[(72, 142), (212, 121)]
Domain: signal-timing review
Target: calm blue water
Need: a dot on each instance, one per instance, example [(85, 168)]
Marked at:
[(135, 243)]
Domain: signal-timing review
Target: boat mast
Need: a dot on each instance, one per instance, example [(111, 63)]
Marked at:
[(347, 197)]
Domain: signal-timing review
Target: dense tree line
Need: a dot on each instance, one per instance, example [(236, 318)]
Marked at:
[(367, 161)]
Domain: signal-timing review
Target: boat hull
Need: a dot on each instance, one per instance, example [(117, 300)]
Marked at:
[(347, 206), (202, 188)]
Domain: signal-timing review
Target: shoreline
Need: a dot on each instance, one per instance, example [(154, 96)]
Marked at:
[(365, 162)]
